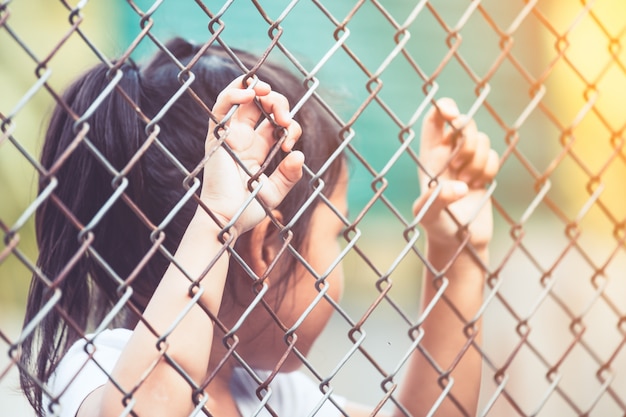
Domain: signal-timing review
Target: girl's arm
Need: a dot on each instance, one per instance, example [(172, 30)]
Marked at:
[(160, 389), (463, 163)]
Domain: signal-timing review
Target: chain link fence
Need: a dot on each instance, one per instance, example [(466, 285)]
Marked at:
[(545, 79)]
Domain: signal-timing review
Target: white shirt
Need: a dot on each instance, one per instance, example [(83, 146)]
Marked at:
[(291, 394)]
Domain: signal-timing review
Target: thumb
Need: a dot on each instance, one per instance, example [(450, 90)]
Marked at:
[(434, 199)]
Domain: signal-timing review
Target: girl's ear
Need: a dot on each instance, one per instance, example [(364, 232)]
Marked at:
[(264, 245)]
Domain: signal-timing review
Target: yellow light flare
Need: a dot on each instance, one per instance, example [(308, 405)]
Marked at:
[(586, 81)]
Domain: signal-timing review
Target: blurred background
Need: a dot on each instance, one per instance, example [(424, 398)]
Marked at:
[(545, 79)]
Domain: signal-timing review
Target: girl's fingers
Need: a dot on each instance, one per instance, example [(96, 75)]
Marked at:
[(435, 121), (491, 167), (483, 166), (236, 94), (273, 104), (449, 192), (293, 131), (475, 166), (278, 106), (229, 98), (282, 180), (245, 131), (464, 142)]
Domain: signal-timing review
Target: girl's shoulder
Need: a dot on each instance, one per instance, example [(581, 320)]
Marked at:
[(108, 338), (96, 347)]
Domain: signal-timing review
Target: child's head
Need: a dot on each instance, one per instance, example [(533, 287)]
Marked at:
[(114, 131)]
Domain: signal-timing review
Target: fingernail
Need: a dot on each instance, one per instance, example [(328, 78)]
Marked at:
[(460, 188), (461, 121), (448, 107)]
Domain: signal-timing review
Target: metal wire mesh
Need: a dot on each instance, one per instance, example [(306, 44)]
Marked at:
[(546, 80)]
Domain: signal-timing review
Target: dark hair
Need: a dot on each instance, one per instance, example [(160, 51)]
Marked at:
[(121, 238)]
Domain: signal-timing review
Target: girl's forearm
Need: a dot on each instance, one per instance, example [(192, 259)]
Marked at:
[(444, 337), (162, 390)]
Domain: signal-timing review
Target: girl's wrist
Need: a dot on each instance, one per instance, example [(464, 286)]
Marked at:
[(207, 225), (448, 247), (446, 239)]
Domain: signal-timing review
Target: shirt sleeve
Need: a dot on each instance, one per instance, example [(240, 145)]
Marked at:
[(78, 375)]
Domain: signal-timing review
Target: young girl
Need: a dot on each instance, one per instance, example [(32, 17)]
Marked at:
[(182, 275)]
